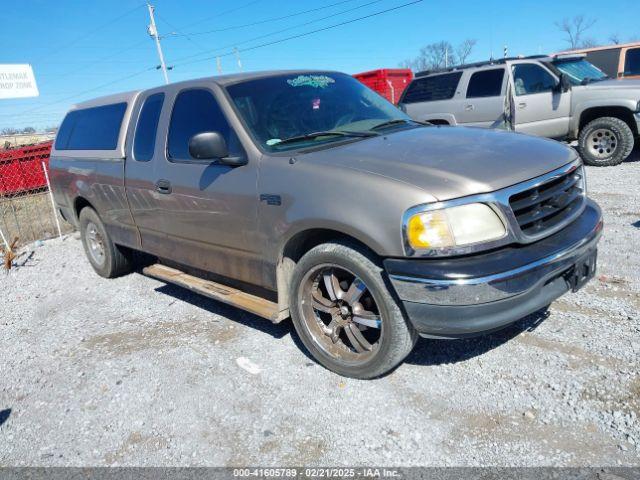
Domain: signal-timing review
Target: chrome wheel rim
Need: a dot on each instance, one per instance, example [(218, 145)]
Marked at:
[(602, 143), (341, 314), (95, 243)]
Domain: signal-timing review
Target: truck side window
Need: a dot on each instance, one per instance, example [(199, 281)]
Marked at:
[(529, 78), (197, 111), (144, 142), (632, 62), (486, 83), (432, 88), (96, 128)]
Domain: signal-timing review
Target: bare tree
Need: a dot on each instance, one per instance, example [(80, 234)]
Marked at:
[(575, 29), (589, 43), (440, 55), (28, 130), (9, 131), (464, 49), (615, 38)]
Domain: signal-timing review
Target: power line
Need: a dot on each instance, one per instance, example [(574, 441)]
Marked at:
[(180, 33), (283, 30), (375, 14), (254, 47), (272, 19), (71, 97), (231, 10), (286, 39), (38, 109), (91, 32)]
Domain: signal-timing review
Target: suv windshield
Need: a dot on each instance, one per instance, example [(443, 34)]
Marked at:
[(298, 108), (580, 71)]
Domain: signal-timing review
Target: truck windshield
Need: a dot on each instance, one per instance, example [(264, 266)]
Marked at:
[(290, 111), (580, 71)]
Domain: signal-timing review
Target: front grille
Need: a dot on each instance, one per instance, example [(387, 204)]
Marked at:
[(549, 205)]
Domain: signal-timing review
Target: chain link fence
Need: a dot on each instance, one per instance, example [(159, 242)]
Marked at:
[(26, 208)]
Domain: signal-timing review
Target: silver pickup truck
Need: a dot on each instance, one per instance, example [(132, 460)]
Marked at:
[(304, 194), (562, 97)]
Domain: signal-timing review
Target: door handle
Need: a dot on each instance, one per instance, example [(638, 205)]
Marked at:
[(522, 105), (469, 108), (163, 186)]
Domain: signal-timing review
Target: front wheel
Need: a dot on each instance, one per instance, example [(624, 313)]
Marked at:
[(605, 142), (345, 314)]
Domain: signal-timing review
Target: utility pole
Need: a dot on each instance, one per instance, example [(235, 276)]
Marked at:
[(219, 65), (446, 56), (236, 52), (153, 31)]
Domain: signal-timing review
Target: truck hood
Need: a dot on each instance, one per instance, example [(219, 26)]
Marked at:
[(450, 162), (612, 84)]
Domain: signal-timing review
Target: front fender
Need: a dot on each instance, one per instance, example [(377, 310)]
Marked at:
[(582, 107), (366, 206)]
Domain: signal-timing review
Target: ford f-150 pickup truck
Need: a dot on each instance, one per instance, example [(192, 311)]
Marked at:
[(305, 195)]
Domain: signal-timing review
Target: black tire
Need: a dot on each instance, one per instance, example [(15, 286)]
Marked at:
[(397, 335), (621, 135), (115, 260)]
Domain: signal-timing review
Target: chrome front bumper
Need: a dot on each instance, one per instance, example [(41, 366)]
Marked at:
[(499, 285)]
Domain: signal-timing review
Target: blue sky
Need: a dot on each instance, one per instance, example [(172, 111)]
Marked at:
[(78, 51)]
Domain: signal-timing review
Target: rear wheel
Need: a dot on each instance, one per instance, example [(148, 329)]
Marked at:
[(345, 314), (106, 258), (605, 141)]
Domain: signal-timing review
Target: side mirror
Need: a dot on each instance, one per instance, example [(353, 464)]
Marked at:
[(212, 146), (563, 85), (207, 146)]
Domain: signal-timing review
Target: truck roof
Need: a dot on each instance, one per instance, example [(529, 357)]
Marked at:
[(603, 47), (233, 78), (222, 80), (126, 97), (497, 61)]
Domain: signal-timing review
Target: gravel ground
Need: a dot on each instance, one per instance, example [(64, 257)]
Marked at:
[(135, 372)]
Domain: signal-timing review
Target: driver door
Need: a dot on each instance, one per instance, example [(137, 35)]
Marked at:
[(540, 107), (208, 210)]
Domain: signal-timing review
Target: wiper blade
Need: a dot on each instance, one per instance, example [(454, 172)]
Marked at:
[(396, 122), (327, 133)]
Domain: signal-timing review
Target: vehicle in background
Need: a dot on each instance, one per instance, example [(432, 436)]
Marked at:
[(617, 61), (562, 97), (304, 194), (388, 82)]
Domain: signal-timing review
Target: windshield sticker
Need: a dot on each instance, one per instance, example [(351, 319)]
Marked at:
[(315, 81), (273, 141)]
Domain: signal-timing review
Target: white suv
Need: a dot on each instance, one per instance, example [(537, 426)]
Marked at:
[(561, 97)]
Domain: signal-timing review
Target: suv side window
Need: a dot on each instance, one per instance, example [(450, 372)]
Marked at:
[(529, 78), (432, 88), (197, 111), (486, 83), (632, 62), (144, 142)]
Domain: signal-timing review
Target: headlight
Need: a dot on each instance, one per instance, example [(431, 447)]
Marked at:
[(453, 227)]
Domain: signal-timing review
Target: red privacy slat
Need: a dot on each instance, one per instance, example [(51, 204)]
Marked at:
[(388, 82), (21, 168)]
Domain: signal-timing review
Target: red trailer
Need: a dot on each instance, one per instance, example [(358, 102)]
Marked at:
[(21, 168), (388, 82)]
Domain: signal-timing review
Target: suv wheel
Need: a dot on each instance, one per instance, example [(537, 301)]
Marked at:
[(346, 315), (106, 258), (605, 141)]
